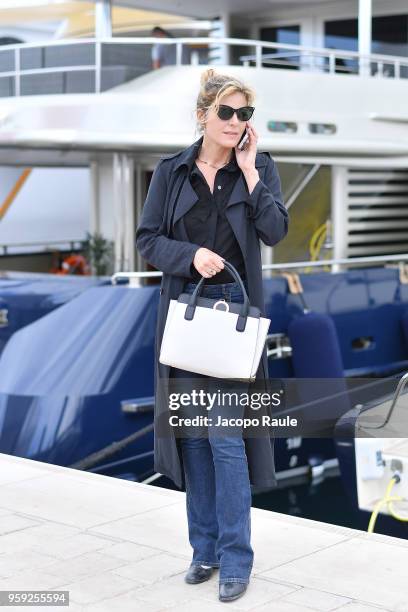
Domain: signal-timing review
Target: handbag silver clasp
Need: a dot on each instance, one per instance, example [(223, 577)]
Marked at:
[(223, 302)]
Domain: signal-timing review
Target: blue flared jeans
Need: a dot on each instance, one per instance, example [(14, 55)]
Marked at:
[(218, 492)]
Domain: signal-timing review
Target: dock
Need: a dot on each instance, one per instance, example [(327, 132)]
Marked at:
[(116, 545)]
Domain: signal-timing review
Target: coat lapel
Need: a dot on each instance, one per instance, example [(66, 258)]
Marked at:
[(239, 192), (188, 197), (186, 200)]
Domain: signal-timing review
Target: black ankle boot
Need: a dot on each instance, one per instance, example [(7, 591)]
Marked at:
[(197, 573), (231, 590)]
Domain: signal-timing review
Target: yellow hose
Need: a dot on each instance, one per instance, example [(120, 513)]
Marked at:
[(387, 499), (316, 242)]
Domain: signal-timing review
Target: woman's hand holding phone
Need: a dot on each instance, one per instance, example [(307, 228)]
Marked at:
[(243, 140), (246, 156)]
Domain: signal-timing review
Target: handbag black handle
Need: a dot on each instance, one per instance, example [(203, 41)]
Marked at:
[(242, 317)]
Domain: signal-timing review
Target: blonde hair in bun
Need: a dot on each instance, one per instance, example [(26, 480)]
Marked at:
[(214, 86)]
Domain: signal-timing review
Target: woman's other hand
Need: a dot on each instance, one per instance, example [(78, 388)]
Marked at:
[(207, 263)]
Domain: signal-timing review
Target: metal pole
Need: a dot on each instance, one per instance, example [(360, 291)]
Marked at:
[(339, 217), (103, 19), (17, 67), (364, 34), (129, 212), (226, 49), (117, 210), (258, 52), (98, 66), (95, 220)]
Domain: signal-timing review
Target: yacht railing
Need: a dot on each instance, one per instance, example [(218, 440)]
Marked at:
[(402, 383), (134, 277), (42, 246), (89, 65)]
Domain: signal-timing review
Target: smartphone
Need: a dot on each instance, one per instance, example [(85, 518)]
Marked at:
[(244, 139)]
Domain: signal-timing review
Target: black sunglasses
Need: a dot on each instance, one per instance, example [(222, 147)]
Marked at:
[(244, 113)]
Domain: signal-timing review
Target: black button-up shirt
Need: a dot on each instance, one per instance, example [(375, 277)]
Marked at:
[(206, 223)]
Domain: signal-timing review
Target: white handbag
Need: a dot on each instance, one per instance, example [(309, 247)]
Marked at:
[(214, 337)]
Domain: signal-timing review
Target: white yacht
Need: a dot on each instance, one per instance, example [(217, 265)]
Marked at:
[(83, 118)]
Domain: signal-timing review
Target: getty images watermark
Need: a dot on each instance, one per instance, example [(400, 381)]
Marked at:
[(331, 408), (220, 400), (200, 407)]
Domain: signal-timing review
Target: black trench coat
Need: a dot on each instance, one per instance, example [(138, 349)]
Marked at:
[(259, 215)]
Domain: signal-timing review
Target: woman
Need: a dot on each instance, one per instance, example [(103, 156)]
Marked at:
[(210, 202)]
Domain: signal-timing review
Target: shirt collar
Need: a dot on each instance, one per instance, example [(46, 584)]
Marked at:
[(232, 165)]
